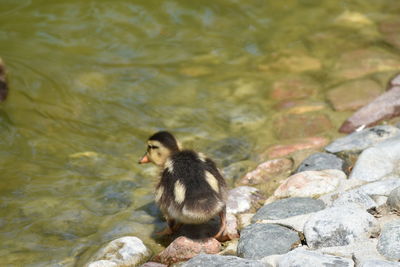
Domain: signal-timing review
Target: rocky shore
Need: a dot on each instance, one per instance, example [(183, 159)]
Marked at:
[(337, 207)]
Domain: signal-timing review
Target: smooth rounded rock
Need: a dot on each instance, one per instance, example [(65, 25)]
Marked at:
[(242, 199), (261, 240), (306, 258), (339, 226), (354, 197), (358, 141), (379, 161), (389, 241), (321, 161), (306, 143), (393, 200), (288, 207), (310, 184), (124, 251), (379, 263), (222, 261), (380, 188)]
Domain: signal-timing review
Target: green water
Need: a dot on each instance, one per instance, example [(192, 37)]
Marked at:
[(91, 80)]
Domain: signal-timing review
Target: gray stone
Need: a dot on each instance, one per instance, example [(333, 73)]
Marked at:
[(221, 261), (242, 199), (124, 251), (306, 258), (385, 106), (296, 222), (380, 188), (288, 207), (360, 251), (393, 200), (358, 141), (379, 263), (339, 226), (389, 241), (378, 162), (356, 197), (255, 240), (320, 162)]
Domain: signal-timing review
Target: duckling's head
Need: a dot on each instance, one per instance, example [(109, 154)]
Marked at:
[(159, 147)]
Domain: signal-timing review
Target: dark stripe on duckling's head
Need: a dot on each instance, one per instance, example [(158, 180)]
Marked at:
[(167, 139)]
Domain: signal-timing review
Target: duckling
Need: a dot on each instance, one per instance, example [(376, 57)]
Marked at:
[(191, 190)]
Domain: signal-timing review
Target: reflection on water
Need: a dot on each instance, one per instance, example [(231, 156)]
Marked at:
[(91, 80)]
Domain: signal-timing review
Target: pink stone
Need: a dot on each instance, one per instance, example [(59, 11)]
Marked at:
[(267, 170), (153, 264), (385, 106), (183, 249), (310, 184), (307, 143)]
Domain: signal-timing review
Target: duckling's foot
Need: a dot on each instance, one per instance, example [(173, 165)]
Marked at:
[(166, 231), (221, 236)]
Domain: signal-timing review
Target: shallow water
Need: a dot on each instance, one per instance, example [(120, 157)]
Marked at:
[(91, 80)]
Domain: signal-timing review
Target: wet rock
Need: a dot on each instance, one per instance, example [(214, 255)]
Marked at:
[(310, 184), (358, 141), (362, 92), (359, 251), (111, 197), (124, 251), (380, 188), (125, 228), (385, 106), (393, 200), (293, 63), (228, 151), (3, 82), (378, 263), (222, 261), (242, 199), (294, 87), (307, 143), (389, 241), (266, 171), (391, 32), (353, 19), (339, 226), (358, 63), (321, 161), (246, 117), (72, 223), (183, 249), (301, 125), (255, 240), (306, 258), (379, 161), (237, 170), (288, 207), (354, 197)]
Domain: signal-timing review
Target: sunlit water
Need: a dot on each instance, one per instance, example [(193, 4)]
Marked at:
[(91, 80)]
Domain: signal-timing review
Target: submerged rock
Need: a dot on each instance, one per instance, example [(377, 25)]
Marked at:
[(321, 161), (228, 151), (222, 261), (358, 141), (391, 32), (339, 226), (3, 82), (385, 106), (124, 251), (353, 95), (307, 143), (183, 249), (294, 87), (255, 240), (379, 161), (288, 207), (389, 241)]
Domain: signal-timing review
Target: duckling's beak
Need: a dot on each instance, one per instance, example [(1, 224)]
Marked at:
[(144, 159)]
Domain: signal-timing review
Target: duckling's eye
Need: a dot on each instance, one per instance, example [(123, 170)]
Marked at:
[(152, 147)]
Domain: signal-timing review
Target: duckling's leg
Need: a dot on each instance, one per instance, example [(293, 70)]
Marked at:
[(172, 227), (222, 216)]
